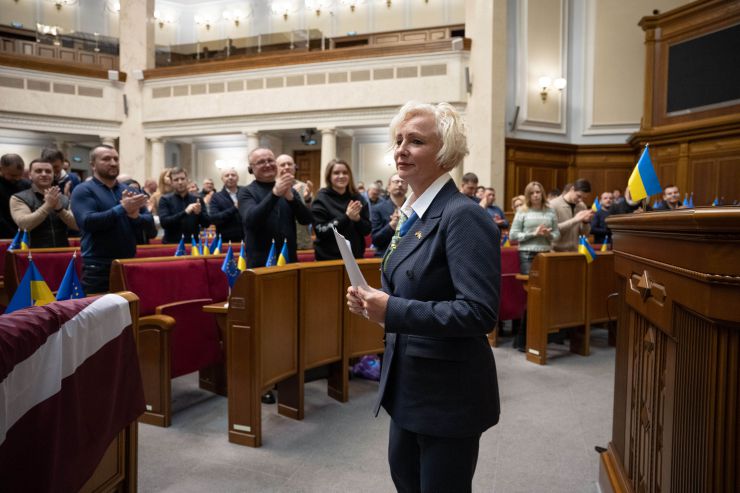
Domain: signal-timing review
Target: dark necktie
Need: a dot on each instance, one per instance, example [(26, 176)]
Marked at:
[(407, 224)]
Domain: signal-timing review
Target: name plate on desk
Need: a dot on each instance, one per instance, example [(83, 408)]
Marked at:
[(237, 303)]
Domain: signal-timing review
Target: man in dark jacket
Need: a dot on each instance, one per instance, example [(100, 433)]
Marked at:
[(223, 210), (269, 207), (384, 217), (109, 216), (598, 223), (62, 179), (11, 182), (181, 213)]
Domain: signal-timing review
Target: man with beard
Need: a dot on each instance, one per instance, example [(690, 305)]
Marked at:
[(110, 217), (181, 212), (384, 216)]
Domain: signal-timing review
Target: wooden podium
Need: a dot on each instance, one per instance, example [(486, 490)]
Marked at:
[(676, 385)]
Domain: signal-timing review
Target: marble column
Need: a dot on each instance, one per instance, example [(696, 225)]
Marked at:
[(136, 53), (485, 24), (253, 140), (328, 147), (108, 140), (158, 159)]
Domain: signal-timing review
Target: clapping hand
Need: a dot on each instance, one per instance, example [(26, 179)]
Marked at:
[(353, 210), (543, 230), (51, 197), (194, 208), (284, 185), (132, 202), (394, 220)]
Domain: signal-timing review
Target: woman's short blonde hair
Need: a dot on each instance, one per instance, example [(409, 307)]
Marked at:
[(450, 129)]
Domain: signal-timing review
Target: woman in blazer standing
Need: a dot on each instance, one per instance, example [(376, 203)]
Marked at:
[(440, 296)]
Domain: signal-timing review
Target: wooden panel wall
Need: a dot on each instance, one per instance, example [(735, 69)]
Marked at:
[(606, 166)]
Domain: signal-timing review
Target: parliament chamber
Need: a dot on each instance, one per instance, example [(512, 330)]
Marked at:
[(628, 376)]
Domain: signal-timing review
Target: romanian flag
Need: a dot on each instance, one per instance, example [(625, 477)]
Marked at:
[(71, 287), (229, 267), (25, 242), (195, 250), (16, 243), (32, 291), (505, 241), (643, 181), (180, 247), (585, 249), (241, 264), (283, 258), (271, 256), (596, 207), (605, 244)]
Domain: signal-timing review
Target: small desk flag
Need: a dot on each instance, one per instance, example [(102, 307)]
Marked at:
[(242, 263), (585, 249), (180, 247), (71, 287), (32, 291), (643, 181), (283, 258), (229, 267), (271, 256)]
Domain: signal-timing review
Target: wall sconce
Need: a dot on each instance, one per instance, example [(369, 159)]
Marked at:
[(318, 5), (282, 8), (114, 7), (63, 3), (234, 15), (163, 18), (545, 83), (388, 3), (203, 20), (352, 4)]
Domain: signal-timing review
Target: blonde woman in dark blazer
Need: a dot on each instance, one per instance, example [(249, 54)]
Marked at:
[(439, 299)]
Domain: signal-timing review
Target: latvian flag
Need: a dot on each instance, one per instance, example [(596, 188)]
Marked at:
[(69, 383)]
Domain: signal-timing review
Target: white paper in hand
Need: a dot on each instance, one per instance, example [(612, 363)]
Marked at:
[(353, 270)]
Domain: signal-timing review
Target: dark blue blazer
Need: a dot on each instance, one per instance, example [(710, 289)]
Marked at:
[(380, 218), (438, 376)]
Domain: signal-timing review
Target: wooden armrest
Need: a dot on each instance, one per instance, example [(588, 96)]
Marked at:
[(522, 277), (160, 322), (200, 301)]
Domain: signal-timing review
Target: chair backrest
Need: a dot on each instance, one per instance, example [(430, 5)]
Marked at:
[(513, 298), (306, 255), (51, 262), (218, 285)]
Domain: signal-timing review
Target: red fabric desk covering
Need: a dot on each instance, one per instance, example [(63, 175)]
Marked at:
[(57, 444)]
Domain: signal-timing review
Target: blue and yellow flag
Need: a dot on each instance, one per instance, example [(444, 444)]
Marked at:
[(283, 258), (505, 242), (643, 181), (585, 249), (25, 242), (195, 249), (596, 207), (271, 256), (16, 243), (71, 287), (180, 247), (229, 267), (605, 244), (216, 245), (715, 202), (691, 200), (685, 202), (32, 291), (241, 264)]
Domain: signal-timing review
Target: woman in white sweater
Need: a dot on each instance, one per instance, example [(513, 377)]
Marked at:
[(535, 226)]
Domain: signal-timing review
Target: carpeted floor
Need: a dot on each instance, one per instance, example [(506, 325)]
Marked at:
[(552, 417)]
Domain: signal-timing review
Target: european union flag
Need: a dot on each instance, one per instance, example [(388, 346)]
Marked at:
[(271, 256), (643, 181), (715, 203), (71, 287), (585, 249), (32, 291), (180, 247), (16, 243), (691, 200), (229, 267), (242, 263), (284, 258), (685, 202)]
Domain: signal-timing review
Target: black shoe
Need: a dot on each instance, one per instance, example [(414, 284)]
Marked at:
[(268, 398), (521, 350)]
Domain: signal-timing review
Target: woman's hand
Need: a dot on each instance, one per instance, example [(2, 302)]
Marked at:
[(543, 230), (353, 210), (370, 303)]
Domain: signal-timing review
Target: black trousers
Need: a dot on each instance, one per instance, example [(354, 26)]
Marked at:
[(95, 277), (429, 464)]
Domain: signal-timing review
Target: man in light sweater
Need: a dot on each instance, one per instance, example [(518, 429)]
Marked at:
[(574, 218)]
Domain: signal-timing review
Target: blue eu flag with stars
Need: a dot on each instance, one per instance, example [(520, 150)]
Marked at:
[(229, 267), (70, 288)]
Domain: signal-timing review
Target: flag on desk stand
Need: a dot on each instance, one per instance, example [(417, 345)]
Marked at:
[(605, 244), (715, 203), (643, 181), (229, 267), (596, 206), (205, 248), (216, 245), (271, 256), (283, 258), (691, 200), (241, 264), (656, 203), (685, 202), (32, 290), (180, 247), (585, 249), (25, 242), (71, 287), (195, 250), (505, 241), (16, 243)]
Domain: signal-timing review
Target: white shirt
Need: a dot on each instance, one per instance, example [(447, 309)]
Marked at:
[(421, 204)]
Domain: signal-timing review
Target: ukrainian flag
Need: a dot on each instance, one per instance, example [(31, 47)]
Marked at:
[(596, 207), (605, 244), (271, 256), (505, 241), (216, 245), (715, 203), (25, 242), (585, 249), (284, 257), (16, 243), (32, 291), (71, 287), (643, 181), (195, 250), (241, 264)]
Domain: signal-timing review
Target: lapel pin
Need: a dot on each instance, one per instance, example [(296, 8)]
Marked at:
[(418, 235)]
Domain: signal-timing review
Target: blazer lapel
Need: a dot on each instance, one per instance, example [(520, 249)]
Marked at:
[(420, 231)]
